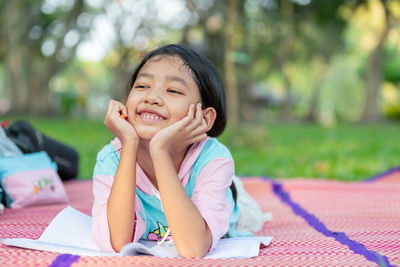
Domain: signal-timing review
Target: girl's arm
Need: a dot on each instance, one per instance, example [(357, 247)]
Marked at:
[(190, 232), (121, 203)]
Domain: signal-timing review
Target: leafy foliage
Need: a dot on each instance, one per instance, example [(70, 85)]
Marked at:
[(392, 64)]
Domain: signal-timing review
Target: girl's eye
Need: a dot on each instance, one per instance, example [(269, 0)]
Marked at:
[(141, 86), (173, 91)]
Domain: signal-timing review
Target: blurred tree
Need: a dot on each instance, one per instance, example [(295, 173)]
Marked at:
[(374, 71), (375, 66), (229, 66), (39, 38), (392, 64), (279, 35), (391, 89), (323, 42)]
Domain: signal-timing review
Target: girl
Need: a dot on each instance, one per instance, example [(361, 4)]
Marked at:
[(165, 172)]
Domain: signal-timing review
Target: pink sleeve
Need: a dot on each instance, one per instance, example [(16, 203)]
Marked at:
[(100, 231), (209, 196)]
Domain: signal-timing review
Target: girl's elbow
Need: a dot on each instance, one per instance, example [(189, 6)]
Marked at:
[(195, 247), (192, 254), (192, 251), (117, 246)]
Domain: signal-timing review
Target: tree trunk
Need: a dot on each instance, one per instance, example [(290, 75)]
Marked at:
[(17, 82), (311, 115), (230, 68), (251, 48), (14, 57), (312, 110), (39, 90), (374, 74), (286, 114), (122, 74), (372, 86)]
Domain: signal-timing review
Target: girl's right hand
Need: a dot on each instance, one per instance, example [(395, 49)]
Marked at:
[(119, 126)]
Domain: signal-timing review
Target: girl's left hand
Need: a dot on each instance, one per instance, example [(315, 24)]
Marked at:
[(178, 136)]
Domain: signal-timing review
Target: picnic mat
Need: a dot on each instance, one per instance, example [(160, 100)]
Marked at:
[(316, 222)]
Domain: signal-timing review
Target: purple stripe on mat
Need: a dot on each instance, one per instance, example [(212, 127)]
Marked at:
[(383, 174), (64, 260), (320, 227)]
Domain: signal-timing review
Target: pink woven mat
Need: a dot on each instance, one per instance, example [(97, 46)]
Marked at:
[(316, 223)]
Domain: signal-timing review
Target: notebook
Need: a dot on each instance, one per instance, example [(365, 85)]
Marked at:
[(70, 232)]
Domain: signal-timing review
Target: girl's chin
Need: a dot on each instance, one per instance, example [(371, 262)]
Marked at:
[(145, 132), (146, 135)]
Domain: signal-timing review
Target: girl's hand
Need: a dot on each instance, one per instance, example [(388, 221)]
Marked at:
[(119, 126), (178, 136)]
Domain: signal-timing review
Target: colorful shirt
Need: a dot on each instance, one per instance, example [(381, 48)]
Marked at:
[(205, 173)]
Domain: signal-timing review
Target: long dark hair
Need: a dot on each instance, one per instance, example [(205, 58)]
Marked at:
[(205, 75)]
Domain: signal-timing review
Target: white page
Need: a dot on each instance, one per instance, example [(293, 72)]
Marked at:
[(239, 247), (228, 249), (45, 246), (149, 248), (163, 251), (70, 228)]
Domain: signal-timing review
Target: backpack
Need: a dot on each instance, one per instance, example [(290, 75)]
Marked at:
[(30, 140), (7, 147)]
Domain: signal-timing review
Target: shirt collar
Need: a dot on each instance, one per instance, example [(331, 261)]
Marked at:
[(143, 182)]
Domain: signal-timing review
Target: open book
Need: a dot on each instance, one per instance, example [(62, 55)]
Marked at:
[(70, 232)]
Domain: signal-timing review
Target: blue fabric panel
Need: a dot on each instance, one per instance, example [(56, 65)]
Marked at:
[(28, 162), (107, 161)]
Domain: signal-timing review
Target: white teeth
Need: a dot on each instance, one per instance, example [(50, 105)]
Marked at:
[(151, 116)]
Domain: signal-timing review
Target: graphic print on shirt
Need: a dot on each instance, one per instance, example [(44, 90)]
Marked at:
[(158, 233)]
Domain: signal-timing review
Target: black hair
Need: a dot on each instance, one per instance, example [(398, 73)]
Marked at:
[(205, 75)]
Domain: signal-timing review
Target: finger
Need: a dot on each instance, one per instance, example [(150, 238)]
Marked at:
[(114, 111), (124, 113), (199, 130), (110, 106), (117, 109), (198, 138), (110, 109), (199, 113), (197, 118), (189, 117), (191, 112)]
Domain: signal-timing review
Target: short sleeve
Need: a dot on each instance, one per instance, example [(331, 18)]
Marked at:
[(103, 178), (209, 196)]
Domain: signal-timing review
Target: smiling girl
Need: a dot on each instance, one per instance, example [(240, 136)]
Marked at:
[(165, 175)]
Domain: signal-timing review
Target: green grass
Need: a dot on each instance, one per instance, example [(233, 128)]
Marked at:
[(346, 152)]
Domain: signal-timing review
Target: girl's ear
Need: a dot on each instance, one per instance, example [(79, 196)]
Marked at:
[(209, 114)]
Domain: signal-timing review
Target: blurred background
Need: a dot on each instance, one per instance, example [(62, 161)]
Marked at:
[(313, 87)]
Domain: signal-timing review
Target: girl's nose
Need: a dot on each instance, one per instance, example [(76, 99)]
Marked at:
[(153, 97)]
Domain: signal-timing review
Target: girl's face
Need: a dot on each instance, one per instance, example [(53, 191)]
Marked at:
[(161, 95)]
